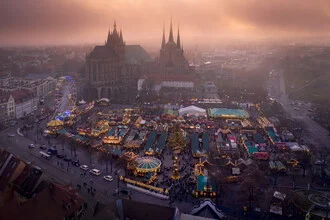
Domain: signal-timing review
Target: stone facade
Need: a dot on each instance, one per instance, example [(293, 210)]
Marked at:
[(113, 69), (171, 59)]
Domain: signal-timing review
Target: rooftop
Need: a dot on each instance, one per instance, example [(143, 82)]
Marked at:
[(22, 95), (52, 203)]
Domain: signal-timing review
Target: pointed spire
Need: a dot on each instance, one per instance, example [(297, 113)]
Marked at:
[(163, 41), (170, 38), (178, 39), (109, 37), (114, 25), (121, 37)]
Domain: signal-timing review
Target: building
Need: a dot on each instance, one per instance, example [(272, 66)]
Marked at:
[(171, 59), (124, 209), (26, 182), (7, 106), (25, 102), (17, 104), (113, 69), (51, 201), (38, 84), (210, 87), (10, 168)]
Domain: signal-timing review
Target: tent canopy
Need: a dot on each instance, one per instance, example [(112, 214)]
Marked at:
[(192, 110), (104, 100), (54, 123)]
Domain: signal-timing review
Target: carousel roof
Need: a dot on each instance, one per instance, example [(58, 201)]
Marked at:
[(54, 123), (148, 163), (104, 100)]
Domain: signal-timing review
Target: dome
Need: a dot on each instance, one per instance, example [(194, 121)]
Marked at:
[(148, 164)]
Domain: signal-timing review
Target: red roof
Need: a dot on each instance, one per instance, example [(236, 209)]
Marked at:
[(52, 203), (22, 95)]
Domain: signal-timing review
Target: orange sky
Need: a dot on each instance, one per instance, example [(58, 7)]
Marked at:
[(26, 22)]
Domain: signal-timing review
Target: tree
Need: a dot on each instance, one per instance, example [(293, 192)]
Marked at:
[(305, 161), (254, 180), (105, 155), (176, 140)]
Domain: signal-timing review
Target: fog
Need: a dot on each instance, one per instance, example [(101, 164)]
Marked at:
[(36, 22)]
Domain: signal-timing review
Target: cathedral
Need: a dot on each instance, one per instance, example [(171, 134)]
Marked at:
[(112, 69), (171, 59)]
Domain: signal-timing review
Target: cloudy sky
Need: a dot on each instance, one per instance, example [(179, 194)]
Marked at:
[(26, 22)]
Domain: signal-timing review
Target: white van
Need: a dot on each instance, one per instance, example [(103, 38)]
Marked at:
[(45, 155), (95, 172)]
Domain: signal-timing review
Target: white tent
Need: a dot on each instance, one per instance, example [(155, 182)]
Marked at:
[(192, 110), (82, 102)]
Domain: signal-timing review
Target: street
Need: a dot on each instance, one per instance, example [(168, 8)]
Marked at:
[(69, 174), (299, 110)]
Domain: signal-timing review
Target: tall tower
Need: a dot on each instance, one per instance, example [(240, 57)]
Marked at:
[(116, 42), (171, 59), (171, 38), (163, 40), (178, 39)]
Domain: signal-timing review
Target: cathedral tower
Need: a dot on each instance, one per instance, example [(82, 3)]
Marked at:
[(171, 59)]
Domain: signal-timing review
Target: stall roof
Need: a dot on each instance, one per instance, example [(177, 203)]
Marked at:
[(192, 110)]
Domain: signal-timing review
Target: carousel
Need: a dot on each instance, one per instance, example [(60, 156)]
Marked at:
[(146, 165), (54, 126)]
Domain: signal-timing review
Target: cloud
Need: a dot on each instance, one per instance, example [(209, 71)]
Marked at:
[(79, 21)]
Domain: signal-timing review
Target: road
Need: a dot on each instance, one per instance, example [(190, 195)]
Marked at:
[(69, 174), (299, 110), (65, 91)]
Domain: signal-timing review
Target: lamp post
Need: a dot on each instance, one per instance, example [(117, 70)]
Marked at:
[(37, 130), (118, 181), (90, 153), (111, 163)]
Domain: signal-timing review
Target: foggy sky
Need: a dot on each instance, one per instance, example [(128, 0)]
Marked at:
[(32, 22)]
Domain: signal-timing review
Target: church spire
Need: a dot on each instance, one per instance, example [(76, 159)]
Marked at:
[(114, 25), (121, 37), (109, 37), (163, 41), (178, 39), (170, 38)]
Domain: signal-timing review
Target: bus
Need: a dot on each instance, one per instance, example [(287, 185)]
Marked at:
[(45, 155)]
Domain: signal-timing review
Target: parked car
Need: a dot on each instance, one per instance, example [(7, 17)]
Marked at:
[(11, 135), (43, 147), (319, 162), (66, 159), (108, 178), (95, 172), (52, 151), (84, 167), (59, 156), (76, 163), (31, 146)]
